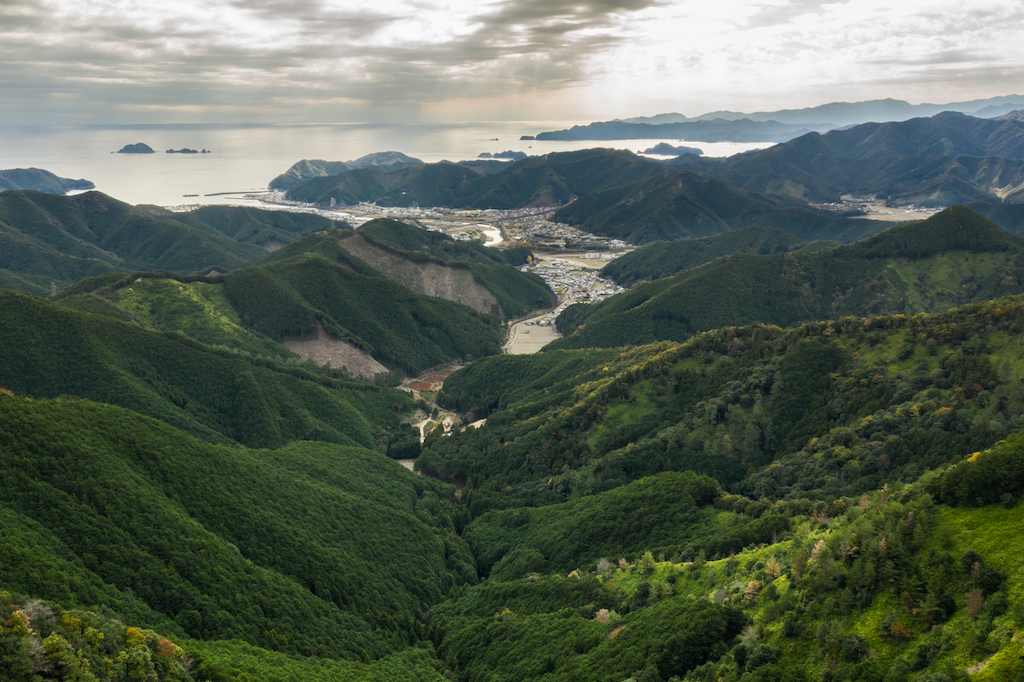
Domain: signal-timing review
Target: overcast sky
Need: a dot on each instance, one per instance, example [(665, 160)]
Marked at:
[(138, 61)]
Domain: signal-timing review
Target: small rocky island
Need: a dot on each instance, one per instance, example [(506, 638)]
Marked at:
[(186, 150), (665, 149), (138, 148), (511, 155)]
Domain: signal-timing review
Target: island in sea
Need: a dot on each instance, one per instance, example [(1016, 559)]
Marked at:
[(510, 155), (665, 149), (137, 148)]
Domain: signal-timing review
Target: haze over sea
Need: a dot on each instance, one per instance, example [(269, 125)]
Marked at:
[(247, 157)]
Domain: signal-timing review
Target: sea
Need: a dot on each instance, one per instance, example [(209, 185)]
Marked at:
[(243, 159)]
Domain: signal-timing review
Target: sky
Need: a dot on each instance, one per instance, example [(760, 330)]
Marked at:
[(310, 61)]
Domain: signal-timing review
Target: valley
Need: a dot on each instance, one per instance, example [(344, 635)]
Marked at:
[(580, 416)]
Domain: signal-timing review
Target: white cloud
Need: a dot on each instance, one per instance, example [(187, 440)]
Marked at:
[(331, 59)]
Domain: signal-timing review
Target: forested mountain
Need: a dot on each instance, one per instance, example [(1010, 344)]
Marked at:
[(48, 350), (313, 549), (39, 180), (48, 242), (662, 260), (831, 502), (548, 180), (318, 168), (464, 272), (820, 411), (954, 257), (948, 158), (292, 298), (588, 576), (848, 572), (387, 297), (681, 204)]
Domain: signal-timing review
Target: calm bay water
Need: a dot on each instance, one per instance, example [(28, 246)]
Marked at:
[(246, 158)]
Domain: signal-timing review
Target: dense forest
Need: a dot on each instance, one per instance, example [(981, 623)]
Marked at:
[(771, 460), (945, 159), (392, 310), (955, 257), (48, 242)]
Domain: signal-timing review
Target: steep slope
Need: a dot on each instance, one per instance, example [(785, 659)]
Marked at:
[(680, 205), (437, 265), (313, 549), (433, 264), (48, 350), (954, 257), (293, 297)]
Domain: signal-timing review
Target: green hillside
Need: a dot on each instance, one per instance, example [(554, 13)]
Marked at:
[(182, 499), (952, 258), (318, 285), (318, 168), (655, 261), (494, 268), (681, 205), (822, 410), (435, 184), (295, 296), (39, 180), (102, 505), (946, 159), (48, 350), (48, 242), (165, 302), (549, 180), (885, 586), (257, 226)]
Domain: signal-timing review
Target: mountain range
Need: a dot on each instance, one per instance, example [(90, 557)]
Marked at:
[(192, 489), (952, 258), (938, 161), (841, 114), (50, 241)]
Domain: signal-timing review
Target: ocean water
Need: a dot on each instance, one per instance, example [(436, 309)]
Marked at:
[(246, 158)]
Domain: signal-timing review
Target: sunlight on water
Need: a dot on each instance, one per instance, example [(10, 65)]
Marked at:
[(246, 158)]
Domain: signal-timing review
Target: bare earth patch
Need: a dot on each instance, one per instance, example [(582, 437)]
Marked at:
[(324, 349), (432, 279)]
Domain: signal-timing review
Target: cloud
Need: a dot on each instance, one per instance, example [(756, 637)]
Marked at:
[(383, 54), (295, 59)]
